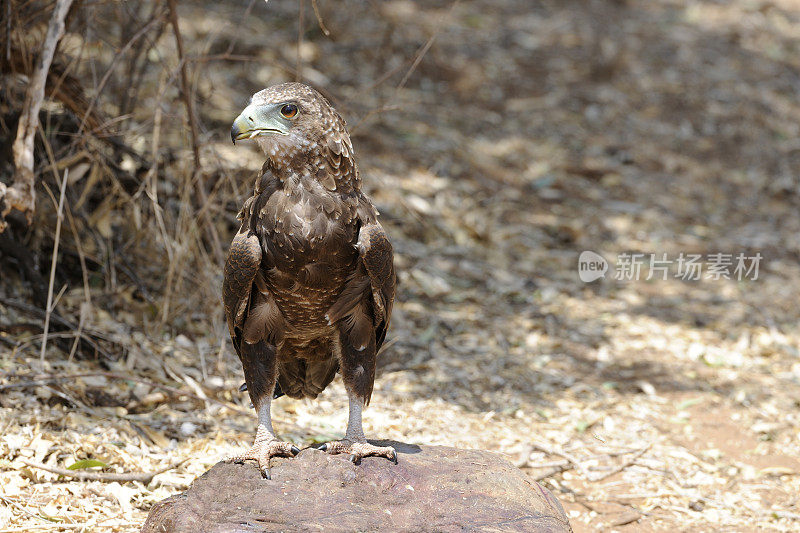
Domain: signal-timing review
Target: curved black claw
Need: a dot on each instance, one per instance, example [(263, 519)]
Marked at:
[(355, 459), (295, 450), (393, 458), (243, 387), (324, 447)]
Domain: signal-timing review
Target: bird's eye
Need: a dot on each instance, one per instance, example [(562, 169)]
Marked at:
[(289, 110)]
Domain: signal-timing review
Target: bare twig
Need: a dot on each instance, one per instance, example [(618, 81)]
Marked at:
[(45, 379), (426, 47), (421, 52), (21, 195), (143, 48), (99, 88), (109, 477), (570, 463), (376, 111), (150, 183), (553, 471), (14, 504), (84, 526), (53, 263), (8, 31), (54, 167), (418, 59), (223, 57), (542, 447), (319, 19), (299, 67), (87, 303), (236, 36), (623, 466), (35, 311), (189, 103)]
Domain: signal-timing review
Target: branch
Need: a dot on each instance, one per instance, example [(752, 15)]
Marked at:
[(109, 477), (624, 465), (426, 46), (21, 195), (86, 335), (319, 19), (45, 379), (541, 446), (189, 103), (53, 263), (173, 15)]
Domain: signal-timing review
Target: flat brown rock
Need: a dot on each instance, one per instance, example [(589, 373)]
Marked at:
[(433, 488)]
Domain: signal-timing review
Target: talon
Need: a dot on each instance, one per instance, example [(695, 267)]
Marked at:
[(263, 451), (358, 450), (243, 387)]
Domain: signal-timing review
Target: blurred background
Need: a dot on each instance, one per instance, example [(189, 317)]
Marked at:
[(499, 139)]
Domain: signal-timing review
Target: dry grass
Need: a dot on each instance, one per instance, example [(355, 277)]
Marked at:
[(498, 145)]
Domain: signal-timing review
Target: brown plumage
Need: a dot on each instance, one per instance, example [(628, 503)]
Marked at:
[(309, 280)]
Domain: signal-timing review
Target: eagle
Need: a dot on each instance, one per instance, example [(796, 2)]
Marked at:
[(309, 280)]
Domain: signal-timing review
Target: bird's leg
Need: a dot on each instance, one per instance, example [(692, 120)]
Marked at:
[(354, 441), (266, 445)]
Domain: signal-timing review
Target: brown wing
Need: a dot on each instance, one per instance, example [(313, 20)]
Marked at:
[(250, 309), (364, 308), (377, 256), (369, 294), (241, 268), (254, 321)]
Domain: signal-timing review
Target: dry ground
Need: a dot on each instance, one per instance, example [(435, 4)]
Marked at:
[(529, 132)]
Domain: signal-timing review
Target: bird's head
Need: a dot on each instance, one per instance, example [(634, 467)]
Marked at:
[(288, 120)]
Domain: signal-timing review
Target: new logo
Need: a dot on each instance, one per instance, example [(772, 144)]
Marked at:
[(591, 266)]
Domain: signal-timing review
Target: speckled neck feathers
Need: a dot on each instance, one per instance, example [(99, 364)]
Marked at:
[(318, 143)]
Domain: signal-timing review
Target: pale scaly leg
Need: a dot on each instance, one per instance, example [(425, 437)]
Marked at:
[(354, 441), (266, 445)]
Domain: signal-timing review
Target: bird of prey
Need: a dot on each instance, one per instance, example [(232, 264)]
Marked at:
[(309, 280)]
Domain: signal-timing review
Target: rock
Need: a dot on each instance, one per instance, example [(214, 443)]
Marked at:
[(433, 488)]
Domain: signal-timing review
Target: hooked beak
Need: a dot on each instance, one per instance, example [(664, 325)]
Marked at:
[(257, 120)]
